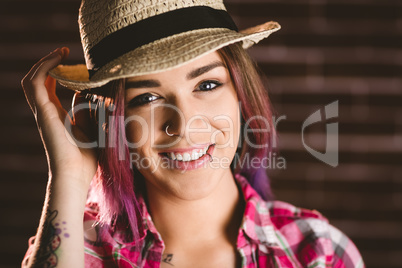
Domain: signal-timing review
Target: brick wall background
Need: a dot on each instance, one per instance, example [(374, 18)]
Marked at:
[(348, 51)]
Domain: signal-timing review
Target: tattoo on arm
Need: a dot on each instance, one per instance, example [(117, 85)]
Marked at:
[(50, 240), (167, 258)]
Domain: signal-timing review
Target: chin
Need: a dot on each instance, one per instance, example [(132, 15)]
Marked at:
[(188, 185)]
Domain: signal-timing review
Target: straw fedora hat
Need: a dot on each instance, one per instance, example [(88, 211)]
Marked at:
[(124, 38)]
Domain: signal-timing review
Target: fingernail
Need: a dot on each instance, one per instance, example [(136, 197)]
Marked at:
[(63, 52)]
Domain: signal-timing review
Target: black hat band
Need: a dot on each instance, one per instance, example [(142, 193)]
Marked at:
[(155, 28)]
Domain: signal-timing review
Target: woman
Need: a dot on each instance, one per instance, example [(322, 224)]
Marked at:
[(156, 148)]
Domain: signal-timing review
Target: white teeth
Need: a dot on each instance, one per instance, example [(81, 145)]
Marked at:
[(185, 157)]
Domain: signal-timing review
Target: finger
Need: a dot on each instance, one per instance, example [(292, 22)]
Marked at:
[(50, 85), (66, 52), (63, 52), (33, 70), (50, 82), (36, 93), (33, 83), (39, 91)]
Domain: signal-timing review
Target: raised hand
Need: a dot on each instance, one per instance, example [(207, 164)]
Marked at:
[(71, 170), (64, 156)]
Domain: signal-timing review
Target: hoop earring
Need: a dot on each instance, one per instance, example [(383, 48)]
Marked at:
[(167, 133)]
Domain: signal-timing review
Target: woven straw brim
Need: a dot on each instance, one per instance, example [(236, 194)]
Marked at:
[(161, 55)]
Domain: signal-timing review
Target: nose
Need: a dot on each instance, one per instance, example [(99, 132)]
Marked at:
[(185, 119), (173, 120)]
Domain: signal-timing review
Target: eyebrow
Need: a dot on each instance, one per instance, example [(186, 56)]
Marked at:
[(151, 83), (202, 70), (142, 84)]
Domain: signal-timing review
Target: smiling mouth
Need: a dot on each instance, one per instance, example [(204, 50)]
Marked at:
[(190, 155)]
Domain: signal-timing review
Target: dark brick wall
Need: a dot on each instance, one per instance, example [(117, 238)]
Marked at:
[(345, 51)]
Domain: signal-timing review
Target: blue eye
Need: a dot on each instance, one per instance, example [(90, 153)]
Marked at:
[(142, 100), (209, 85)]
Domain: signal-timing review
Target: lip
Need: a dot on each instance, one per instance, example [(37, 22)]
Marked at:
[(184, 150), (189, 165)]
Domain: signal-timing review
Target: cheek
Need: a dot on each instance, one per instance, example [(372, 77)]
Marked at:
[(139, 146), (137, 131), (139, 139), (227, 124)]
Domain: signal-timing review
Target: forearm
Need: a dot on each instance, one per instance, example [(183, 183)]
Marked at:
[(59, 241)]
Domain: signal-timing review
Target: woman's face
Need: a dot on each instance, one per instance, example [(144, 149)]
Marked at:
[(198, 104)]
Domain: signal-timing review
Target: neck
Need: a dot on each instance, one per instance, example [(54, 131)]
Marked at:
[(215, 216)]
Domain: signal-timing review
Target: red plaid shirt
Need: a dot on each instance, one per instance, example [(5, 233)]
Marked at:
[(273, 234)]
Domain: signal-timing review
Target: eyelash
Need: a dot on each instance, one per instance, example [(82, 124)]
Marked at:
[(139, 100), (217, 85)]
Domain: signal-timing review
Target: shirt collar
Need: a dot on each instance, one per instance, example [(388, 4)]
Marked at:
[(146, 229), (256, 224), (148, 224)]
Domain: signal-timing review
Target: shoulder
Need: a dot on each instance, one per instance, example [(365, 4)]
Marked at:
[(311, 237), (283, 209), (284, 215)]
